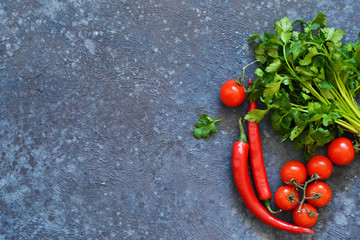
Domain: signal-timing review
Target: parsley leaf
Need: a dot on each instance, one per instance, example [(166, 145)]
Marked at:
[(259, 72), (274, 66), (283, 29), (320, 19), (297, 130), (205, 126), (332, 35), (256, 115), (272, 88), (308, 58), (281, 122)]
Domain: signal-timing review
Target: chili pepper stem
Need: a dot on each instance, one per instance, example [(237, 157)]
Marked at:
[(268, 207), (242, 137)]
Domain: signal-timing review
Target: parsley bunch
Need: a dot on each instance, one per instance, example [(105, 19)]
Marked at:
[(308, 80)]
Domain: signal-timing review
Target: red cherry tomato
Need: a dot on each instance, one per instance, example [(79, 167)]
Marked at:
[(320, 165), (318, 188), (341, 151), (286, 198), (232, 94), (307, 216), (293, 170)]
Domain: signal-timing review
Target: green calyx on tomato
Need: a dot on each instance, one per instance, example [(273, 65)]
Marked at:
[(318, 194), (293, 173), (286, 198), (305, 215)]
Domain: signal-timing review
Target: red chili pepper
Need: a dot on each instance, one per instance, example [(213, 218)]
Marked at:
[(240, 153), (257, 160)]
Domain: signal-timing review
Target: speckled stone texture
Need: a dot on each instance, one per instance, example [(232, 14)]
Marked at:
[(98, 100)]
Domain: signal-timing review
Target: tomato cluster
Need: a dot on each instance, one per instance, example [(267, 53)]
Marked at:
[(309, 179), (315, 192)]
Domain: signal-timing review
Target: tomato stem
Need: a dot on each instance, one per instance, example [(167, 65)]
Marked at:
[(311, 213), (294, 182), (241, 79), (313, 178)]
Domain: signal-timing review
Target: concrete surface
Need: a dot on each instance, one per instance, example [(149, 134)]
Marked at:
[(98, 100)]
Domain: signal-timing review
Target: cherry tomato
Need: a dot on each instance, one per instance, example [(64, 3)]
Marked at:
[(293, 170), (232, 94), (341, 151), (318, 188), (320, 165), (307, 216), (286, 198)]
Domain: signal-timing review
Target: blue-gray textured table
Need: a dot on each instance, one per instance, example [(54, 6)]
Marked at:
[(98, 100)]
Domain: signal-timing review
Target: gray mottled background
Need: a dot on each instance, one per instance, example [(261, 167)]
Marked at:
[(98, 99)]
